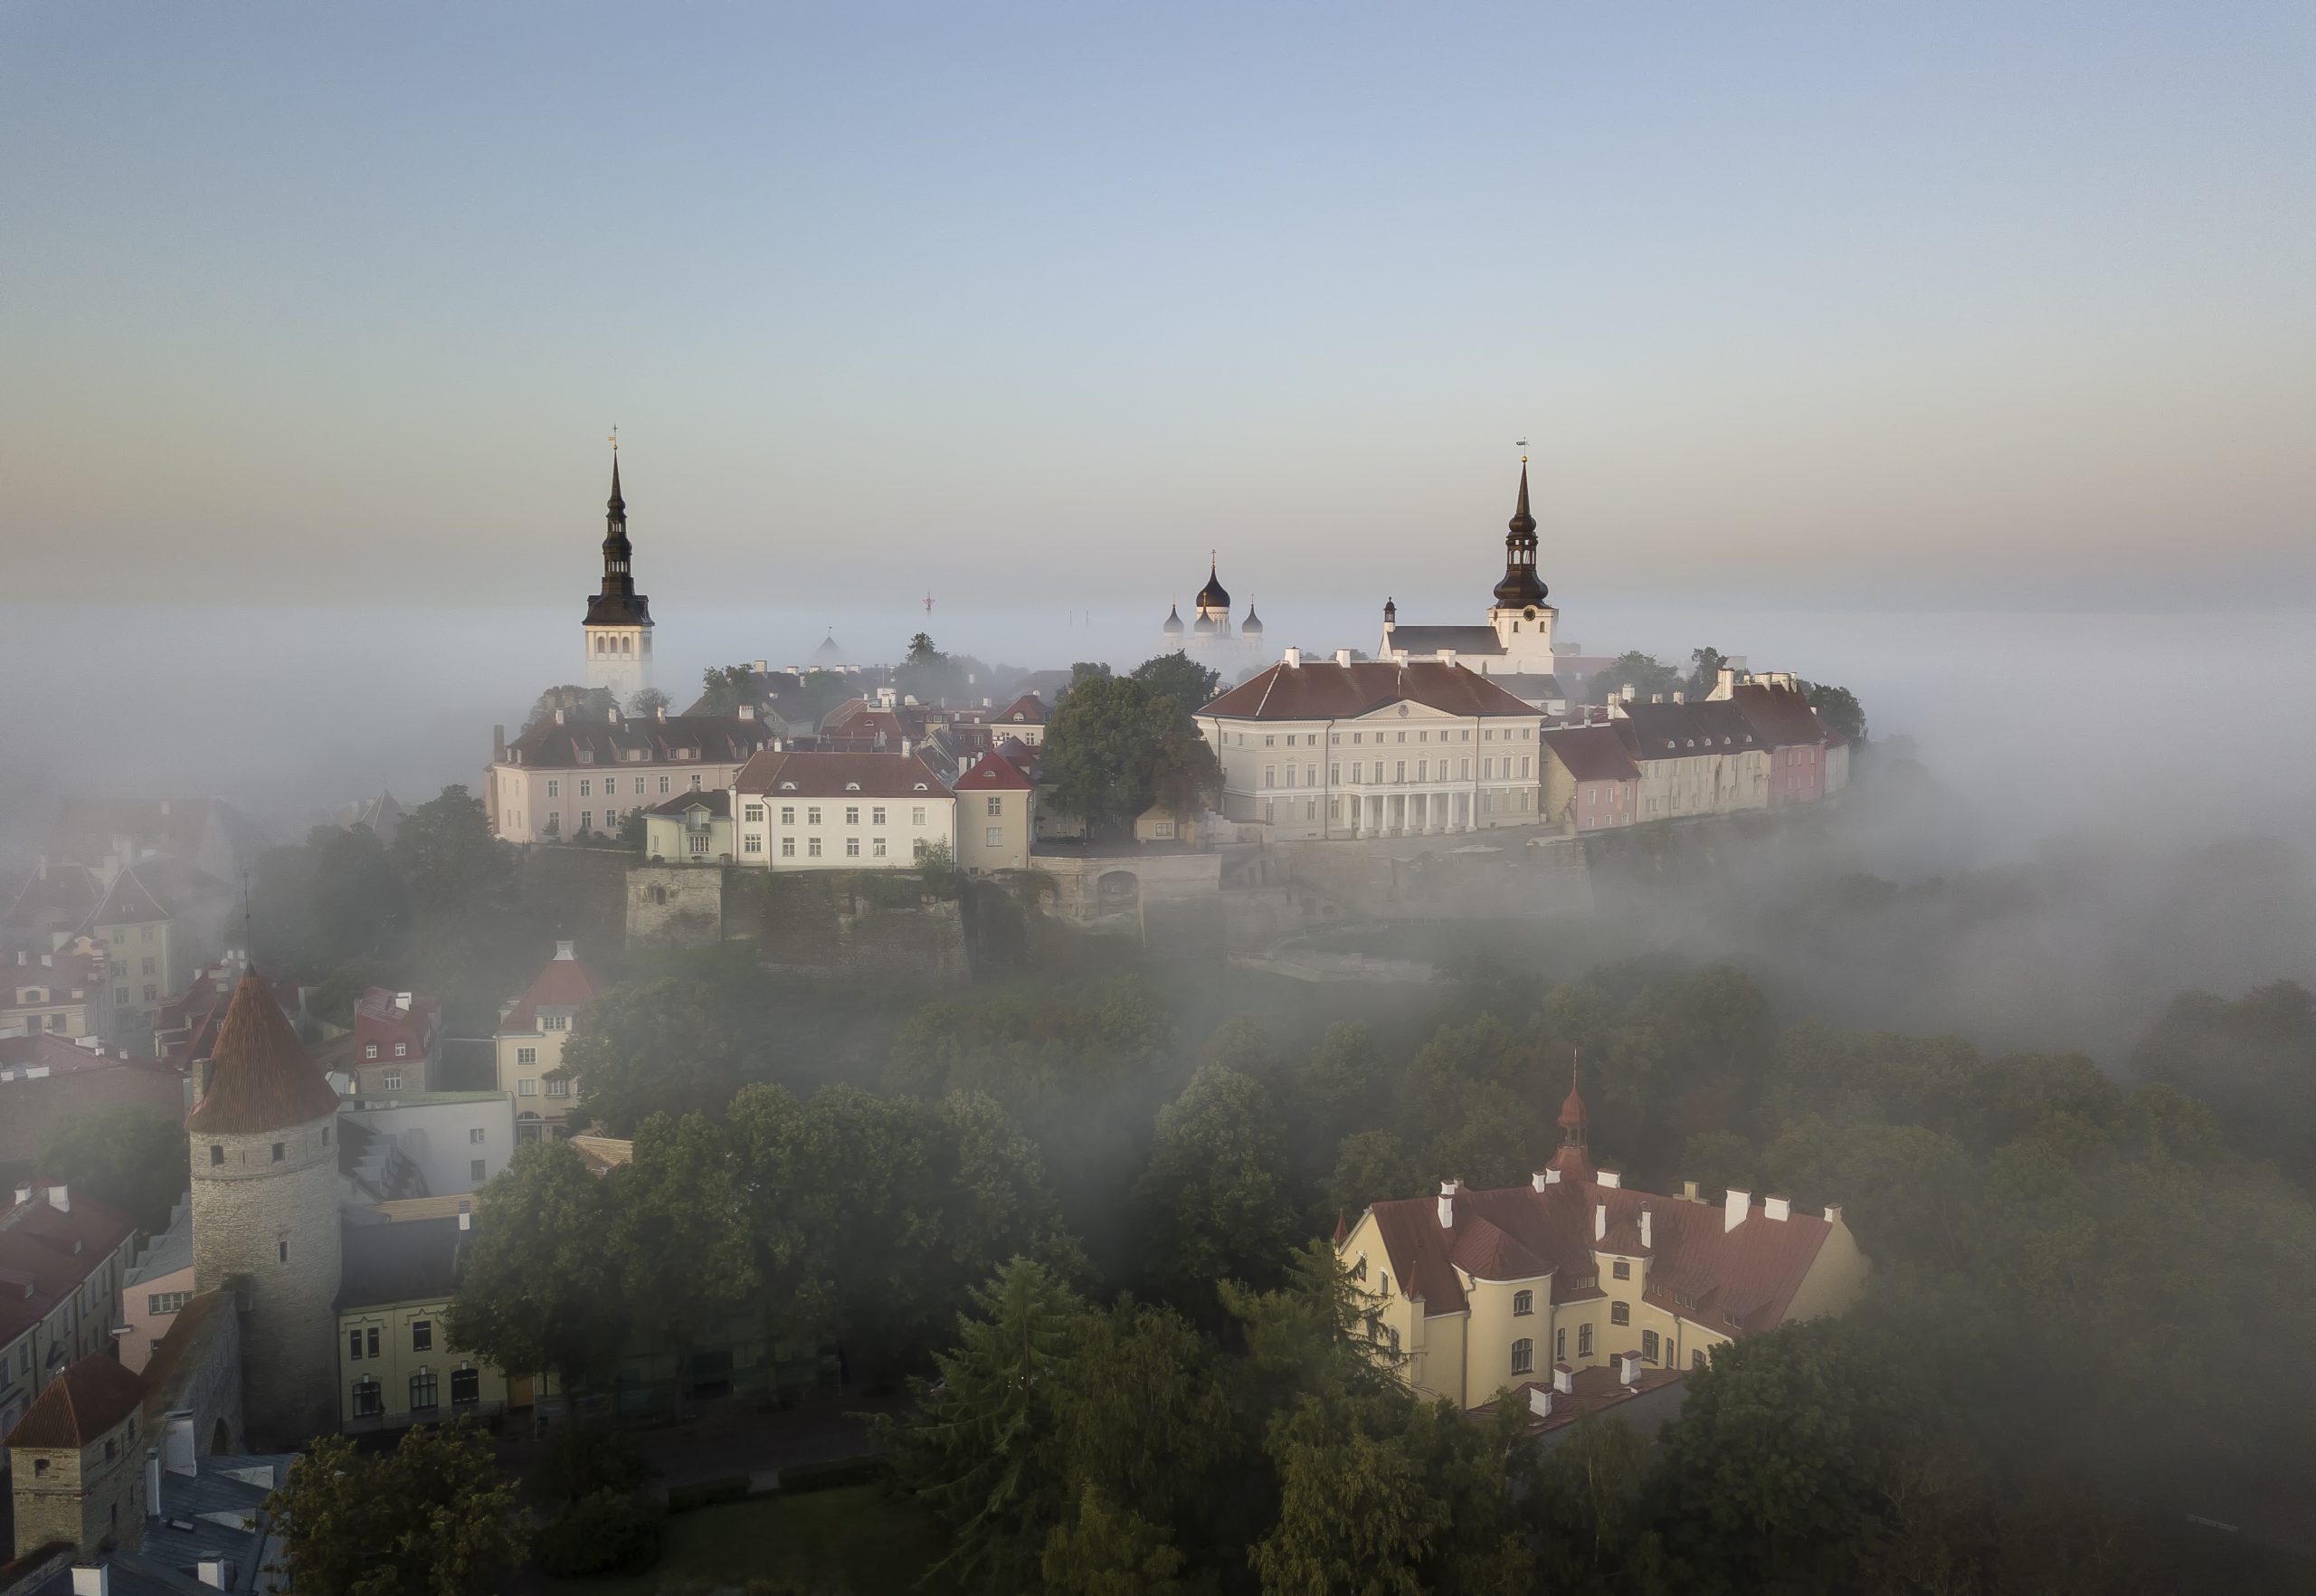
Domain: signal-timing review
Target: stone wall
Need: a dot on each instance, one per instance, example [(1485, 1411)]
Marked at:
[(582, 891), (675, 905), (196, 1373), (823, 922), (244, 1211), (82, 1496), (1513, 873)]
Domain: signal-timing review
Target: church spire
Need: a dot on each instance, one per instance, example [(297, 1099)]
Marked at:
[(618, 505), (1520, 589)]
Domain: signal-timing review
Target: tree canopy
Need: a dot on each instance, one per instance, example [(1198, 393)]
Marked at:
[(1113, 750), (430, 1517), (127, 1158)]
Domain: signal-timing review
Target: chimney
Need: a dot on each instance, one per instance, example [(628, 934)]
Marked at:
[(466, 1216), (1679, 697), (1611, 1178), (1540, 1402), (760, 666), (1688, 1190), (24, 1195), (1778, 1208), (153, 1482), (1629, 693), (1725, 683), (1732, 1209), (748, 712), (1657, 698), (1447, 1203), (1447, 656), (92, 1579), (178, 1453), (563, 951), (1599, 1221), (1293, 658), (610, 716), (1628, 1367), (402, 999), (658, 712), (558, 718), (1646, 1239), (1343, 656), (1552, 1177), (1563, 1380), (1833, 1214), (1542, 1178), (497, 744), (212, 1570), (60, 1198)]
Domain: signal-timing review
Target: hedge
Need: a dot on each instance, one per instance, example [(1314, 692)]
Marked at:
[(833, 1474), (708, 1493)]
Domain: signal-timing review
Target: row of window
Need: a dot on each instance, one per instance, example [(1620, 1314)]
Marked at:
[(421, 1339), (425, 1391), (370, 1049), (611, 785), (754, 813), (624, 644), (1311, 739), (528, 1086), (1399, 772), (120, 995), (158, 1303)]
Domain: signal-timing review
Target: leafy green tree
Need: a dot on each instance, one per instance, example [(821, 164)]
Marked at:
[(1372, 1166), (335, 897), (1584, 1500), (661, 1048), (447, 856), (1179, 677), (1838, 707), (543, 1285), (126, 1158), (1113, 750), (1105, 1550), (1359, 1514), (648, 702), (928, 675), (976, 1450), (1142, 1415), (688, 1261), (2252, 1059), (724, 689), (432, 1517), (593, 702), (1704, 670), (1215, 1191), (1644, 673)]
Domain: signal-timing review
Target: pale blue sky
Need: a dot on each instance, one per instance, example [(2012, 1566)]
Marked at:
[(1802, 304)]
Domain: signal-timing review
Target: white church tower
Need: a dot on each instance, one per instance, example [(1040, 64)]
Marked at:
[(618, 629)]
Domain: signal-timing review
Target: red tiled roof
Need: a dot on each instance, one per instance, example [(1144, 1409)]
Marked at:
[(1753, 1270), (1592, 753), (46, 1254), (1325, 690), (377, 1017), (838, 775), (1027, 709), (994, 774), (47, 1050), (717, 802), (79, 1405), (261, 1077), (719, 739), (1781, 715), (564, 984)]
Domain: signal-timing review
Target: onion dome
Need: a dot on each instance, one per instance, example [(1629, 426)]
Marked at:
[(1204, 624), (261, 1077), (1520, 589), (1213, 595), (1254, 625), (1173, 627)]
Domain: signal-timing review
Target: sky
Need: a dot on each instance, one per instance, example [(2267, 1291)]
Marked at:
[(1799, 305)]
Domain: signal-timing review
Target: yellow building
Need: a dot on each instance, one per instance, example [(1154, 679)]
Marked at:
[(996, 816), (396, 1365), (1485, 1291), (529, 1041), (144, 956)]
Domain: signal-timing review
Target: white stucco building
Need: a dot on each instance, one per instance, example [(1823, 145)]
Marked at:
[(839, 812)]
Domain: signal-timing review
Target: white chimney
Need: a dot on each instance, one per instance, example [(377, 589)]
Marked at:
[(24, 1193), (1448, 1204), (1447, 656), (1611, 1178), (1732, 1209), (563, 951), (1630, 693), (92, 1579), (1293, 658), (466, 1219), (1644, 1239), (1833, 1214), (153, 1482), (759, 667), (658, 712), (1599, 1221), (1725, 683), (1540, 1402), (611, 717), (1688, 1190), (748, 712), (1552, 1177), (402, 1000), (60, 1198), (1778, 1208), (1628, 1367), (1680, 696), (558, 718), (1657, 698), (1542, 1178), (1563, 1380), (179, 1455), (211, 1569), (1343, 656)]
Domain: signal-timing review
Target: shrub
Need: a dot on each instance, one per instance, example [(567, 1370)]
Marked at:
[(708, 1492), (585, 1459), (833, 1474), (603, 1532)]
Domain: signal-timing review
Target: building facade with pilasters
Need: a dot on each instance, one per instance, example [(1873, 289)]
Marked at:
[(1346, 748)]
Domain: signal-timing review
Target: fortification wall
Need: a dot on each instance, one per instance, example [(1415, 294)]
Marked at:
[(583, 891), (675, 905), (846, 923)]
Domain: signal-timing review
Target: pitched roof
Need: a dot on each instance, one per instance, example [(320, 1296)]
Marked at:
[(636, 739), (80, 1405), (44, 1050), (564, 984), (1325, 690), (409, 1260), (1781, 715), (379, 1014), (838, 775), (1430, 640), (53, 898), (1736, 1280), (718, 800), (995, 773), (1592, 753), (1028, 709), (126, 902), (261, 1077), (47, 1253)]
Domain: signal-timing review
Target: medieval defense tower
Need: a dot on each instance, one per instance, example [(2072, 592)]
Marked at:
[(265, 1222)]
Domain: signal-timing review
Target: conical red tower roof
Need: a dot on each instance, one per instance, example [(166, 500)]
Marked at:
[(261, 1077)]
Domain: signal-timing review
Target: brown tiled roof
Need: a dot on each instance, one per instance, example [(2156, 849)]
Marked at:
[(1027, 709), (378, 1017), (44, 1050), (1592, 753), (1779, 714), (994, 774), (1753, 1270), (260, 1078), (1483, 1249), (1725, 724), (720, 739), (59, 898), (718, 800), (1664, 731), (1325, 690), (838, 775), (45, 1255), (1597, 1388), (564, 984), (1430, 640), (79, 1405)]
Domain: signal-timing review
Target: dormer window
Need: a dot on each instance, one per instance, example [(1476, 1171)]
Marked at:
[(852, 786)]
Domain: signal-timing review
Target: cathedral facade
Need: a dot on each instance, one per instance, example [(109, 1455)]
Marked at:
[(1211, 638)]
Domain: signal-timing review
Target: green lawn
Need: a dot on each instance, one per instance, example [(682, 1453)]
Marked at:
[(854, 1542)]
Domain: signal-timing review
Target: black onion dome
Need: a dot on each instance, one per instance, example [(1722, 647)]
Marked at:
[(1213, 595)]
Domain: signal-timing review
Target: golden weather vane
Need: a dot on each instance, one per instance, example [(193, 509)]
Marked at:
[(614, 440), (1521, 445)]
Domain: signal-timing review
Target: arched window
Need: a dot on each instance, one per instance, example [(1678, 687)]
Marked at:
[(1524, 1357), (1523, 1302)]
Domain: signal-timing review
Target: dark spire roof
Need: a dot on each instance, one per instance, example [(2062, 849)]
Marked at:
[(1213, 595), (618, 505), (1174, 626), (261, 1077), (618, 605), (1520, 589), (1253, 624)]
